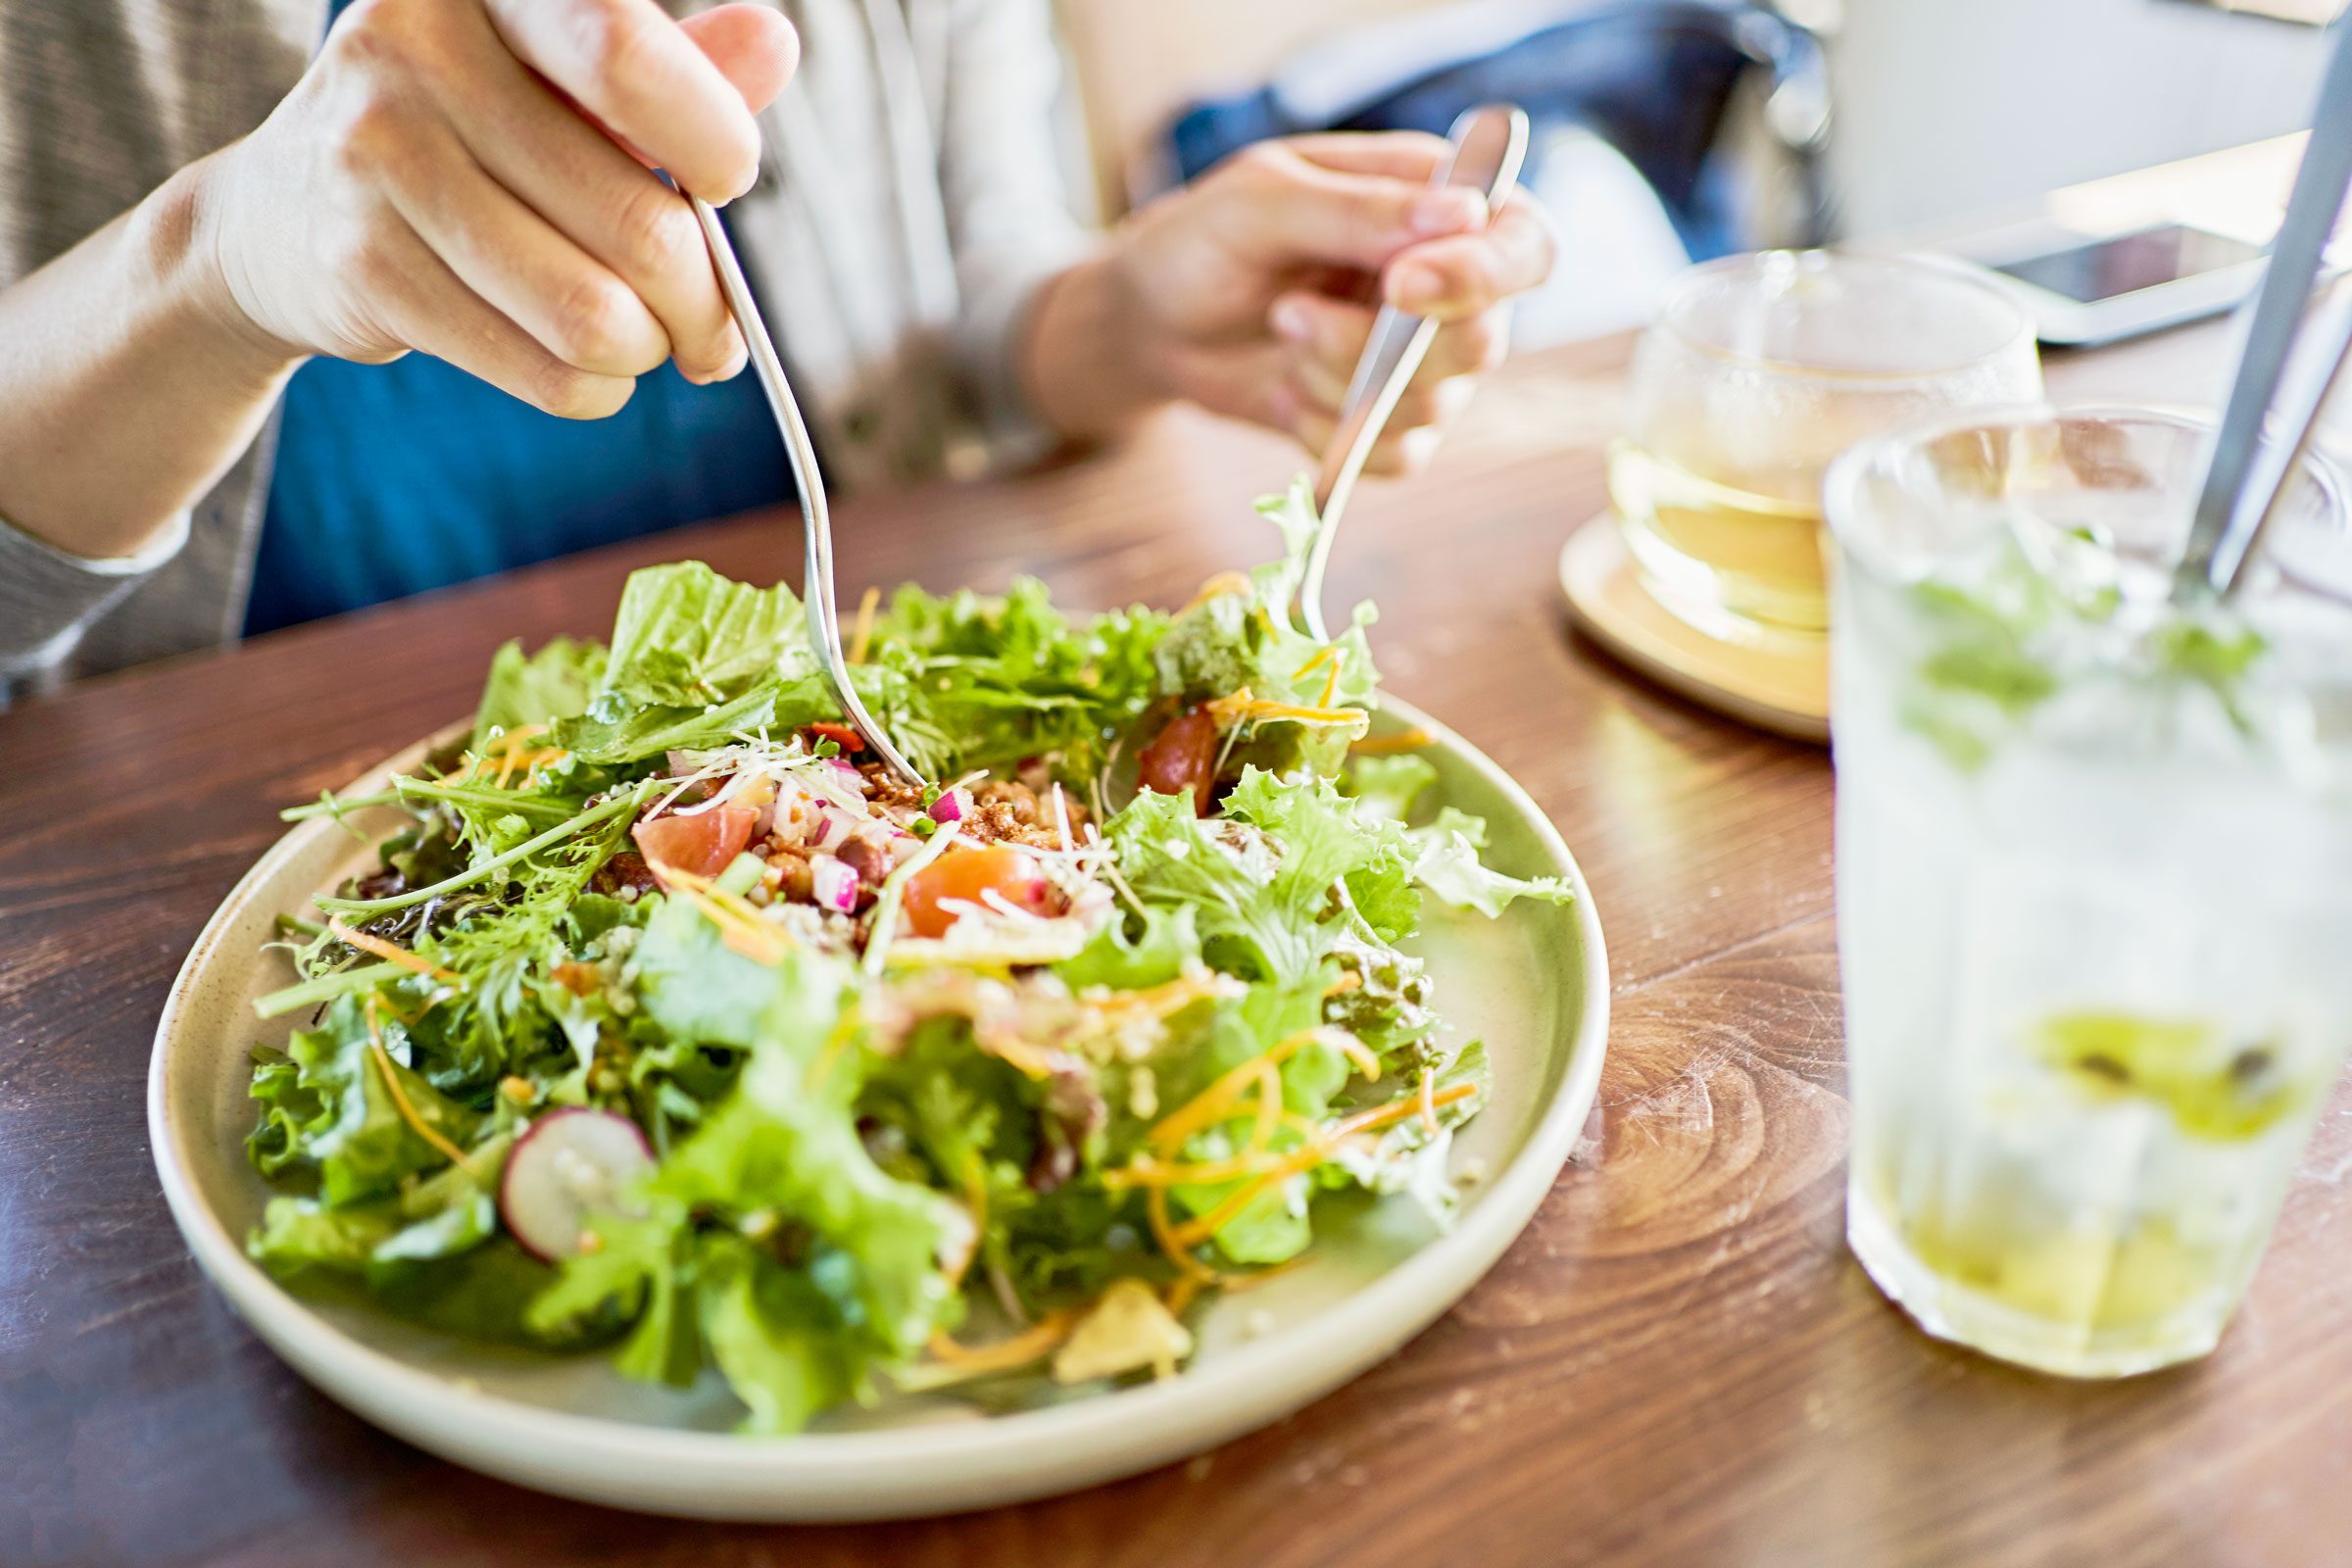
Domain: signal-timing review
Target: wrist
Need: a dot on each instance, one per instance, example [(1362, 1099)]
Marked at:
[(1093, 362), (175, 243)]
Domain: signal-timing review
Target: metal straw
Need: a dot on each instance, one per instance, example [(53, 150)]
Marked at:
[(2237, 502)]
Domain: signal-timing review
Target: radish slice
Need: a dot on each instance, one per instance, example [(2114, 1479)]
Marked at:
[(833, 883), (568, 1168)]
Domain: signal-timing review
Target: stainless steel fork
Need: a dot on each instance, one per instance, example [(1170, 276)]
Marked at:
[(816, 588)]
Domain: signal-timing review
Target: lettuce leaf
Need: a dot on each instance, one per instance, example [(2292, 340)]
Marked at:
[(1245, 639), (333, 1115), (553, 683), (1445, 862), (687, 637), (974, 680)]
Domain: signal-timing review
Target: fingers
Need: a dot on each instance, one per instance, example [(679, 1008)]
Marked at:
[(1460, 276), (1329, 335), (644, 78), (427, 306), (753, 47), (1409, 155), (1271, 203), (613, 208), (573, 305)]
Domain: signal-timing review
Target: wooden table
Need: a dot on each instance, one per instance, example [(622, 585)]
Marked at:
[(1677, 1362)]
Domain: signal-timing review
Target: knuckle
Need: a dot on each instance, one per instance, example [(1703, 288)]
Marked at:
[(384, 35), (612, 39), (370, 145), (589, 315), (567, 393), (656, 234), (1262, 165), (361, 261)]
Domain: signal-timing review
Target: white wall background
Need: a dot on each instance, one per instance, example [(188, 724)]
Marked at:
[(1950, 108)]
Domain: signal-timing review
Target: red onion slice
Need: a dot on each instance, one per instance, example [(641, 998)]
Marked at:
[(833, 883)]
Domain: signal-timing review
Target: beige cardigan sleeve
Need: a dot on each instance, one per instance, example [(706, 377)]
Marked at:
[(1008, 209)]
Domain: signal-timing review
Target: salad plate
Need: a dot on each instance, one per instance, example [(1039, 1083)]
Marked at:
[(1402, 1222)]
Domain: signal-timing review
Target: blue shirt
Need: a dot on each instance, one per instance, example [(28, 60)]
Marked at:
[(395, 478)]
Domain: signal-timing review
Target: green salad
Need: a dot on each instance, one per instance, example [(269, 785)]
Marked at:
[(671, 1025)]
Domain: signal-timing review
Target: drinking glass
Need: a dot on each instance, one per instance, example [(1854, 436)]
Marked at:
[(2094, 879), (1759, 369)]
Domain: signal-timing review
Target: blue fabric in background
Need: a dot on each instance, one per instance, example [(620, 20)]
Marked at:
[(1653, 78), (395, 478)]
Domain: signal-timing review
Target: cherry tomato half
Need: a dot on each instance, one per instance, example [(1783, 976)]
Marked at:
[(1182, 759), (966, 874), (701, 845)]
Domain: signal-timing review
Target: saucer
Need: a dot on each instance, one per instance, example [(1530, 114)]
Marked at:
[(1778, 684)]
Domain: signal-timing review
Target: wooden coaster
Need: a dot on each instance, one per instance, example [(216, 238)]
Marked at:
[(1783, 686)]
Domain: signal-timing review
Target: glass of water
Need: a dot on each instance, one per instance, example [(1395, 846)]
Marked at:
[(2094, 879), (1759, 369)]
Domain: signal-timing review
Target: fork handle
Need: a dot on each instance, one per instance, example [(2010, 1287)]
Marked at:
[(1488, 145)]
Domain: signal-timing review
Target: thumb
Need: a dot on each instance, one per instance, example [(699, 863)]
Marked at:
[(753, 46)]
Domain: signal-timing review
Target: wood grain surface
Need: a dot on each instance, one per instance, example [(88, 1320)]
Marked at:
[(1677, 1362)]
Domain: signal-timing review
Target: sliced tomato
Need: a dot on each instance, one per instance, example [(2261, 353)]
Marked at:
[(1182, 759), (966, 874), (841, 735), (701, 845)]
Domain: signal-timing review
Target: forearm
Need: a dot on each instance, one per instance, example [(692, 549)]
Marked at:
[(128, 382), (1085, 365)]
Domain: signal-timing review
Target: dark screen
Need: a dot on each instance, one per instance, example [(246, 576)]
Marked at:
[(2101, 269)]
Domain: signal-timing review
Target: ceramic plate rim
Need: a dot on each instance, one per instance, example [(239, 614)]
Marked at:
[(1244, 1387)]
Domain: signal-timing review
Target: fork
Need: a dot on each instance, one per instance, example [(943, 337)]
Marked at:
[(816, 589), (1488, 145)]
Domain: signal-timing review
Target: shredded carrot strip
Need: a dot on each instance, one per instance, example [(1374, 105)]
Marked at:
[(1194, 1231), (507, 751), (1429, 1101), (1331, 682), (400, 1097), (1315, 661), (1180, 1294), (1147, 1172), (1408, 740), (1156, 1206), (391, 952), (1167, 997), (1379, 1116), (1211, 1106), (864, 634), (1223, 583), (1015, 1052), (1022, 1349), (740, 926), (1243, 706), (1345, 983), (1269, 1107)]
